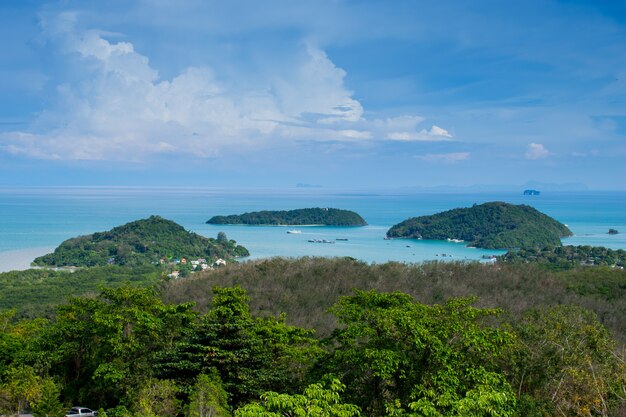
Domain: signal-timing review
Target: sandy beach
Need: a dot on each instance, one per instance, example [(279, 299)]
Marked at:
[(16, 260)]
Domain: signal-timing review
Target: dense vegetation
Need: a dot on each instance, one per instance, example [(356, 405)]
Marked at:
[(37, 292), (304, 289), (128, 351), (299, 217), (564, 257), (494, 225), (140, 242)]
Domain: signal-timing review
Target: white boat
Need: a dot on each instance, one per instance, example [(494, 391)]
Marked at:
[(455, 240), (294, 232)]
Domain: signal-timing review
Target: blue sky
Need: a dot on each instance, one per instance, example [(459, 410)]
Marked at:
[(332, 93)]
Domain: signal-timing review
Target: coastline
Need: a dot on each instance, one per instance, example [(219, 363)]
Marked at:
[(20, 259)]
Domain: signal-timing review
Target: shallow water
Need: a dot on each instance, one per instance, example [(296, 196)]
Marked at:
[(36, 219)]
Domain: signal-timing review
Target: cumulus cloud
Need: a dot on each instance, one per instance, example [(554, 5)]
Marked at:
[(434, 134), (536, 151), (124, 110), (448, 158)]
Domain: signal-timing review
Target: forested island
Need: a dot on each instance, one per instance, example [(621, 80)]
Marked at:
[(146, 241), (566, 257), (299, 217), (494, 225), (319, 337)]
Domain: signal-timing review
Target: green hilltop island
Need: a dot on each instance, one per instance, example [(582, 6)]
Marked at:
[(493, 225), (300, 217), (148, 241)]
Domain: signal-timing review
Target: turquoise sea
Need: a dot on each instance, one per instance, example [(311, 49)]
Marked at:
[(35, 220)]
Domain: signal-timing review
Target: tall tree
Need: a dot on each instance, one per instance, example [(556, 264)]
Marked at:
[(104, 348), (157, 398), (48, 404), (21, 387), (208, 398), (565, 364), (400, 357), (252, 355)]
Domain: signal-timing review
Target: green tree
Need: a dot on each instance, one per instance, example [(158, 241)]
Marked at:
[(318, 400), (20, 388), (208, 398), (49, 403), (221, 238), (400, 357), (565, 364), (252, 355), (104, 348), (157, 398), (17, 340)]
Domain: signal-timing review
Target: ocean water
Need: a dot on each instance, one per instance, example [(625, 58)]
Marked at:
[(35, 220)]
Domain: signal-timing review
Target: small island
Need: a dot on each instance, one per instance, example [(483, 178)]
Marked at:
[(494, 225), (148, 241), (612, 232), (532, 192), (299, 217)]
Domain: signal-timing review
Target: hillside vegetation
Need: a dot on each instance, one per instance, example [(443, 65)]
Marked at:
[(129, 351), (140, 242), (392, 340), (494, 225), (299, 217), (37, 292), (565, 257), (305, 288)]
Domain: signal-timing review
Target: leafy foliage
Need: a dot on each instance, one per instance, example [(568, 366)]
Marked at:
[(208, 398), (564, 363), (48, 404), (21, 387), (252, 355), (318, 400), (489, 225), (395, 353), (157, 398), (103, 348), (137, 243), (565, 257), (388, 354), (308, 216)]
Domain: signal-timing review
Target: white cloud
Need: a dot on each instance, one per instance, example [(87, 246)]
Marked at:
[(438, 131), (355, 134), (123, 110), (536, 151), (434, 134), (448, 158)]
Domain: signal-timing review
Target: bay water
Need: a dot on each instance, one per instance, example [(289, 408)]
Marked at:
[(34, 220)]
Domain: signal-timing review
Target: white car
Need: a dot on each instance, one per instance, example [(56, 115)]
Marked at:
[(81, 412)]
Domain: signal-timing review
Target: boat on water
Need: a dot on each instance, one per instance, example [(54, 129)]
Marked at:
[(455, 240), (294, 232)]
